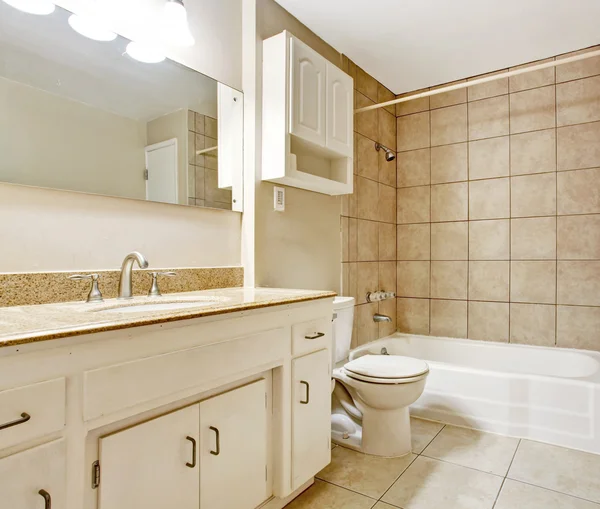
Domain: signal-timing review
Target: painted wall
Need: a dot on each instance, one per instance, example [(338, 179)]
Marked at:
[(51, 141)]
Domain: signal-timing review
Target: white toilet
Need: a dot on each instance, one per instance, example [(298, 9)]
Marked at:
[(371, 393)]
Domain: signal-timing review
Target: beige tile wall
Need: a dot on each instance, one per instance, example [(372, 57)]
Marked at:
[(498, 210), (368, 218)]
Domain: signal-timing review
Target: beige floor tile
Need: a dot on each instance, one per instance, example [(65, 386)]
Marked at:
[(423, 432), (548, 466), (474, 449), (322, 495), (363, 473), (433, 484), (518, 495)]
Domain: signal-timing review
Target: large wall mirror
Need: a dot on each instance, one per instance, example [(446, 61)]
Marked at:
[(82, 115)]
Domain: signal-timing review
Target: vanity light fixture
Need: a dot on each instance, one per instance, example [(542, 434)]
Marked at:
[(176, 29), (41, 7), (146, 53), (87, 26)]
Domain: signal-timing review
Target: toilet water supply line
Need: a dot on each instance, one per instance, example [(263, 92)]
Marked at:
[(479, 81)]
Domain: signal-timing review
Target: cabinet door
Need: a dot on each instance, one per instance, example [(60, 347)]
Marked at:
[(307, 118), (152, 465), (311, 415), (340, 115), (233, 455), (24, 475)]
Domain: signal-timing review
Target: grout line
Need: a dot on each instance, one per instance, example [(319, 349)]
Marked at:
[(401, 474), (461, 466), (553, 491), (345, 488)]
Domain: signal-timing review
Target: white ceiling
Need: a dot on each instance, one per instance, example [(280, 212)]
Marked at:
[(412, 44)]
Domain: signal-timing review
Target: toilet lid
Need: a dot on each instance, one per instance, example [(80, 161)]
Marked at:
[(387, 366)]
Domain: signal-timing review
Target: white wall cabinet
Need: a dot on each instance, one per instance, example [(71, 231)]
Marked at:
[(307, 118), (311, 415), (34, 479), (211, 455)]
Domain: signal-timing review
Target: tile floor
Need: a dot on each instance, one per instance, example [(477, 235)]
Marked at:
[(458, 468)]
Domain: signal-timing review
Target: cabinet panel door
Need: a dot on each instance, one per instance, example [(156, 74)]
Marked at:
[(311, 415), (23, 475), (233, 454), (152, 465), (339, 122), (307, 119)]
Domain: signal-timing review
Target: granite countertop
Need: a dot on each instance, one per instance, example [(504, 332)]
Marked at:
[(29, 324)]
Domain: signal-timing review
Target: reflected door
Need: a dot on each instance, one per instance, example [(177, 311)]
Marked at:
[(161, 172)]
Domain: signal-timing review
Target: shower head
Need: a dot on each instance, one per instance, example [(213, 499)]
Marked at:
[(389, 155)]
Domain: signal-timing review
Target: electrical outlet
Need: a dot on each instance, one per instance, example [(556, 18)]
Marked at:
[(279, 199)]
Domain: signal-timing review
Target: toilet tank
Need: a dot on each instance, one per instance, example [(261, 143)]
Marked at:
[(343, 307)]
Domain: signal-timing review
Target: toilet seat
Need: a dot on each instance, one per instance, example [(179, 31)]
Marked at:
[(386, 369)]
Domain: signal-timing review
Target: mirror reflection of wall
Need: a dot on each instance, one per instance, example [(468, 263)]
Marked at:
[(83, 115)]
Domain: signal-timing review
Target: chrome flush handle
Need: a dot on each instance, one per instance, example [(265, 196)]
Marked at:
[(154, 290), (94, 295)]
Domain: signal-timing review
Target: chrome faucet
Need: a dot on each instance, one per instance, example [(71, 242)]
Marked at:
[(126, 272), (381, 318)]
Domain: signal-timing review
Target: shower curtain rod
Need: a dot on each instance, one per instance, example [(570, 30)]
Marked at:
[(479, 81)]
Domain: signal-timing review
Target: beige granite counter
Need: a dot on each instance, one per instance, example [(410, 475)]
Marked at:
[(29, 324)]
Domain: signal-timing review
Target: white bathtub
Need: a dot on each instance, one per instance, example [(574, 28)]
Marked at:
[(546, 394)]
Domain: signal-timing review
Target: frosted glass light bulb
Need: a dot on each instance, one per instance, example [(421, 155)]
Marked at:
[(145, 53), (41, 7), (90, 28), (176, 29)]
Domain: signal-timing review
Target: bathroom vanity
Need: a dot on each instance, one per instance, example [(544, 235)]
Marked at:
[(222, 405)]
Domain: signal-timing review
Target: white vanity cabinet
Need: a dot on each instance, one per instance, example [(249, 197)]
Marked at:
[(307, 118), (34, 479)]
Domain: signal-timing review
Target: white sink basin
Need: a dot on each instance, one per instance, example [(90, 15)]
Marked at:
[(160, 306)]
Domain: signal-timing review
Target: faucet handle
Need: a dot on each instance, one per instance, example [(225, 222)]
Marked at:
[(95, 295), (154, 290)]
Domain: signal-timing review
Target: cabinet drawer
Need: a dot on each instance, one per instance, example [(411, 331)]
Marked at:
[(31, 411), (311, 336)]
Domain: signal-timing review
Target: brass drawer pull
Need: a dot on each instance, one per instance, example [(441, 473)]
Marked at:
[(316, 336), (307, 393), (24, 418), (47, 499), (193, 463)]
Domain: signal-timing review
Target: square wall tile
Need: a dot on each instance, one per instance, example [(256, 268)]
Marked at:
[(579, 237), (367, 160), (450, 241), (449, 163), (449, 202), (448, 98), (387, 129), (578, 327), (387, 308), (413, 204), (413, 242), (533, 110), (533, 195), (578, 146), (349, 281), (413, 315), (448, 318), (387, 276), (387, 241), (489, 240), (413, 131), (488, 118), (352, 239), (489, 158), (368, 241), (449, 280), (344, 228), (366, 84), (578, 101), (533, 238), (579, 283), (489, 199), (533, 79), (367, 280), (387, 204), (387, 170), (367, 196), (488, 321), (412, 279), (578, 192), (490, 89), (366, 122), (533, 152), (385, 95), (578, 70), (349, 201), (414, 105), (449, 125), (533, 324), (413, 168), (489, 281), (368, 330), (533, 281)]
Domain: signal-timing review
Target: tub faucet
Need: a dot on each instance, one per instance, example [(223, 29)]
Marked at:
[(126, 273), (381, 318)]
